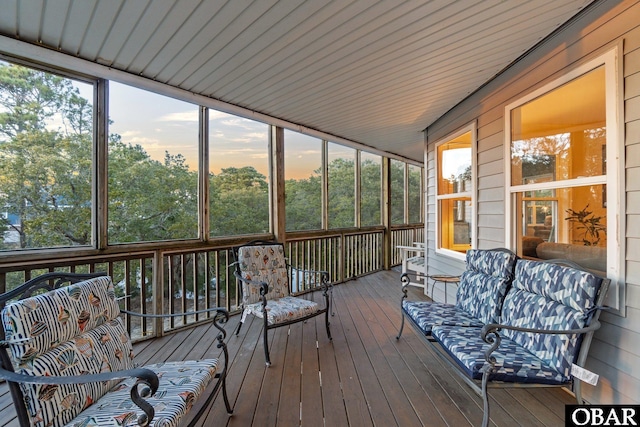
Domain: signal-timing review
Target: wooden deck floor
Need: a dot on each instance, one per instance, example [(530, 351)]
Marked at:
[(365, 377)]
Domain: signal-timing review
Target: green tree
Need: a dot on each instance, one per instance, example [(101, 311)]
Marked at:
[(303, 203), (397, 192), (370, 192), (45, 172), (341, 193), (239, 202), (150, 200)]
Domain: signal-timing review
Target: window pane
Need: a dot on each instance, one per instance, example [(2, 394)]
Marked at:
[(370, 189), (303, 181), (561, 135), (238, 175), (454, 165), (397, 192), (455, 224), (341, 176), (153, 167), (415, 191), (46, 146), (568, 223)]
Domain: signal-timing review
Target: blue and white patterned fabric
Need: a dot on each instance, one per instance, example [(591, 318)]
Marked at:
[(181, 384), (484, 283), (76, 330), (550, 296), (480, 293), (513, 362), (429, 314)]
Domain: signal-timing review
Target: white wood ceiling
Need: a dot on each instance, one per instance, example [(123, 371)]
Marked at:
[(374, 72)]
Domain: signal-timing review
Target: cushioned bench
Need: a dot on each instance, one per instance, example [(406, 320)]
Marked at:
[(526, 326), (69, 360)]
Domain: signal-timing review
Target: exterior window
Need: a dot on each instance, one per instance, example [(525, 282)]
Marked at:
[(303, 181), (341, 178), (415, 194), (238, 175), (370, 189), (561, 187), (153, 167), (397, 191), (455, 193), (46, 146)]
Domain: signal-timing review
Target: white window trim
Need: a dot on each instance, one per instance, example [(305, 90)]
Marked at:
[(614, 179), (471, 127)]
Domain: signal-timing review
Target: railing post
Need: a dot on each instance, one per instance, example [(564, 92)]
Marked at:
[(158, 294), (277, 201), (386, 213)]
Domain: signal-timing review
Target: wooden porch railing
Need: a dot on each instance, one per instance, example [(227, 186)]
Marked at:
[(192, 278)]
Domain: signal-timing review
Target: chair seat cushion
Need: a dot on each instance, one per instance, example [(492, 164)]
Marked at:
[(429, 314), (181, 383), (284, 309), (513, 362)]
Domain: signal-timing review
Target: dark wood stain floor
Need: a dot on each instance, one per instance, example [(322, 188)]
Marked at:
[(364, 377)]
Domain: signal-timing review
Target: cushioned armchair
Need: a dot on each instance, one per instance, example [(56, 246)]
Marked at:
[(262, 270), (68, 359)]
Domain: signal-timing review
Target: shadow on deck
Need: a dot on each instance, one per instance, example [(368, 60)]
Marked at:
[(364, 377)]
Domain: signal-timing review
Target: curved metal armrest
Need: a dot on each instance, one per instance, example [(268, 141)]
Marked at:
[(494, 328), (490, 334), (222, 316), (406, 280), (264, 286), (221, 313), (147, 379)]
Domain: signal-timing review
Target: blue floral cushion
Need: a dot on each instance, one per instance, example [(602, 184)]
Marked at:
[(513, 362), (484, 283), (429, 314), (550, 296)]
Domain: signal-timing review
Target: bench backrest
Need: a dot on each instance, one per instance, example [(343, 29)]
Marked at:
[(72, 330), (263, 263), (484, 283), (550, 296)]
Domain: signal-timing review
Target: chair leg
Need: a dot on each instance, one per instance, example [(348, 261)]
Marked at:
[(265, 336), (485, 398), (401, 327), (326, 322), (239, 326), (577, 390)]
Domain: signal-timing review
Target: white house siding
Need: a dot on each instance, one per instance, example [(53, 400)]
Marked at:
[(615, 353)]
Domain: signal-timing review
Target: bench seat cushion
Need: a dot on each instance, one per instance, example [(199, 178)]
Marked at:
[(513, 362), (181, 383), (428, 314)]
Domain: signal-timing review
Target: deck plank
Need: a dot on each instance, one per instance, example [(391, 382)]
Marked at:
[(364, 377)]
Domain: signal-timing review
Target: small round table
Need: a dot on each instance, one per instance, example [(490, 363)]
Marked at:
[(444, 279)]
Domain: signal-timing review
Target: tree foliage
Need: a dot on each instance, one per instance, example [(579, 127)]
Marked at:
[(45, 171)]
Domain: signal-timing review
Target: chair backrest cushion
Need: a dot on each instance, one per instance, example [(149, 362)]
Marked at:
[(73, 330), (484, 283), (263, 263), (550, 296)]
